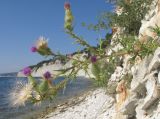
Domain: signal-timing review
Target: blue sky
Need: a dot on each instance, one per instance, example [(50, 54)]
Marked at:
[(23, 21)]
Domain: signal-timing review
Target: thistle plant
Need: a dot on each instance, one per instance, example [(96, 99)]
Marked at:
[(27, 72), (34, 90), (68, 17), (102, 71), (21, 94), (102, 63)]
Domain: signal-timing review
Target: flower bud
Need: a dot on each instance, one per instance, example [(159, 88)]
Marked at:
[(27, 71), (68, 17), (47, 75), (93, 59), (67, 5), (33, 49)]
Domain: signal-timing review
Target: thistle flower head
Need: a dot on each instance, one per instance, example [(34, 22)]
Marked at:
[(42, 47), (67, 5), (68, 17), (93, 59), (33, 49), (27, 71), (47, 75), (42, 42), (20, 94)]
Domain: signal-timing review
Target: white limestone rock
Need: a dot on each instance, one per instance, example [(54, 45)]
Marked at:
[(128, 108), (116, 76), (151, 20), (137, 84), (140, 113), (126, 64), (158, 81), (107, 111), (151, 113), (97, 105), (155, 63), (149, 76), (153, 11), (153, 93), (155, 113)]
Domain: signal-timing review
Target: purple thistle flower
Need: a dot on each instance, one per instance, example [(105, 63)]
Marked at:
[(33, 49), (47, 75), (27, 71), (93, 59), (67, 5)]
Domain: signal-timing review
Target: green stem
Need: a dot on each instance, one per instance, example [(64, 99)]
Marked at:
[(31, 80), (80, 40)]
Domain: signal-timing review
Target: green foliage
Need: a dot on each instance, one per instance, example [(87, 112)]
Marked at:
[(99, 26), (148, 48), (102, 72), (105, 42), (45, 51), (31, 80), (156, 30), (131, 45), (133, 11), (43, 86)]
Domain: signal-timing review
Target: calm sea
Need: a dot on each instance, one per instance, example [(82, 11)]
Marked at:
[(7, 84)]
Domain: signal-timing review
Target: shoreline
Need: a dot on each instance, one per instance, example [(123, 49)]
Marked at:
[(60, 103), (73, 90), (94, 104), (62, 106)]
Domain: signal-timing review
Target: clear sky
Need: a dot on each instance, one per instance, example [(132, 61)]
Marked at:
[(23, 21)]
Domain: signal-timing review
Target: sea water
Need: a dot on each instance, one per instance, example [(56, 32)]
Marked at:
[(7, 84)]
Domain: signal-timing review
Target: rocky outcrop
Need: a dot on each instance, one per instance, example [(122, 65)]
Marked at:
[(145, 91)]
